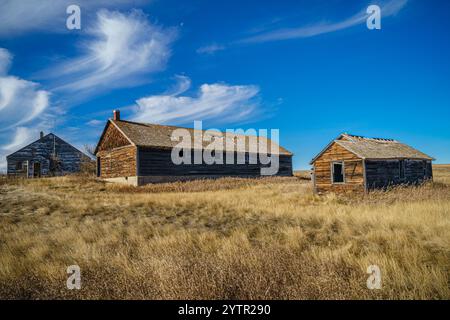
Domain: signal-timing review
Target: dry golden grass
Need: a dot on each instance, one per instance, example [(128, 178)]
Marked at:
[(222, 239), (303, 174), (442, 173)]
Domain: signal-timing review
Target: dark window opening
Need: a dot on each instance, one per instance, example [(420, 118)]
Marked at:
[(19, 165), (181, 153), (338, 172), (402, 169)]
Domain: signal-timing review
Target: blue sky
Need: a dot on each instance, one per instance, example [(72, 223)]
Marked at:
[(311, 69)]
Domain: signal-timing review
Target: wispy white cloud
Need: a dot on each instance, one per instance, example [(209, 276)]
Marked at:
[(95, 122), (22, 103), (5, 61), (20, 137), (388, 8), (183, 83), (210, 49), (124, 48), (22, 16), (216, 103)]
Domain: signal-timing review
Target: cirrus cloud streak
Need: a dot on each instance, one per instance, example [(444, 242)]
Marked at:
[(123, 50), (389, 8), (217, 103)]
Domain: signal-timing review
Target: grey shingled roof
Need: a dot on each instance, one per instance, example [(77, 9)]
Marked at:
[(377, 148), (155, 135)]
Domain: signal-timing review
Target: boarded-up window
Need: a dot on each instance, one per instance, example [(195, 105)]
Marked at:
[(337, 169)]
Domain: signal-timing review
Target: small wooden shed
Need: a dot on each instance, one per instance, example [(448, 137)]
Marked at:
[(140, 153), (356, 163)]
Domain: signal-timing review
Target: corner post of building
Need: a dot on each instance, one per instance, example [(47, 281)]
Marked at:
[(138, 166), (313, 176), (364, 175)]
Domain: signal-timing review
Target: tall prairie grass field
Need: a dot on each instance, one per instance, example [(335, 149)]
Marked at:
[(268, 238)]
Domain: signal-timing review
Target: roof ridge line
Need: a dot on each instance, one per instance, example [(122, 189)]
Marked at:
[(187, 128)]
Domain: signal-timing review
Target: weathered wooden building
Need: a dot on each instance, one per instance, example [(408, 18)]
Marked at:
[(47, 156), (140, 153), (355, 163)]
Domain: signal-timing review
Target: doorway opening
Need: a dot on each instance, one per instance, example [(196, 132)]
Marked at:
[(36, 170)]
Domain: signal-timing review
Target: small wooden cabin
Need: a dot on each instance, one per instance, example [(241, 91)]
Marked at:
[(355, 163), (139, 153), (47, 156)]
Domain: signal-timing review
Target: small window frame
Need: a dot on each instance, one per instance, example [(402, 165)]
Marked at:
[(19, 165), (343, 172)]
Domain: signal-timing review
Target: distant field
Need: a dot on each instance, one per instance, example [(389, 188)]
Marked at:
[(442, 173), (303, 174), (222, 239)]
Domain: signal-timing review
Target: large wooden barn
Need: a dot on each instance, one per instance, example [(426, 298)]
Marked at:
[(47, 156), (355, 163), (140, 153)]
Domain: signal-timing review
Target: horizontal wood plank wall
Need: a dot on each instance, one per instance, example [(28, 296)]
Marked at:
[(119, 162), (112, 139), (417, 171), (354, 176), (14, 171), (429, 170), (383, 173), (158, 162), (41, 152)]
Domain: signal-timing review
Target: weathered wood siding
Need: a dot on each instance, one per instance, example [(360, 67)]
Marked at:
[(118, 162), (116, 156), (158, 162), (112, 139), (383, 173), (41, 151), (353, 166)]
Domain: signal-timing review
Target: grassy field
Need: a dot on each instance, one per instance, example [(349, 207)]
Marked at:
[(224, 239)]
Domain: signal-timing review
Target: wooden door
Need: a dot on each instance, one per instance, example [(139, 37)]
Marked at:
[(36, 170)]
